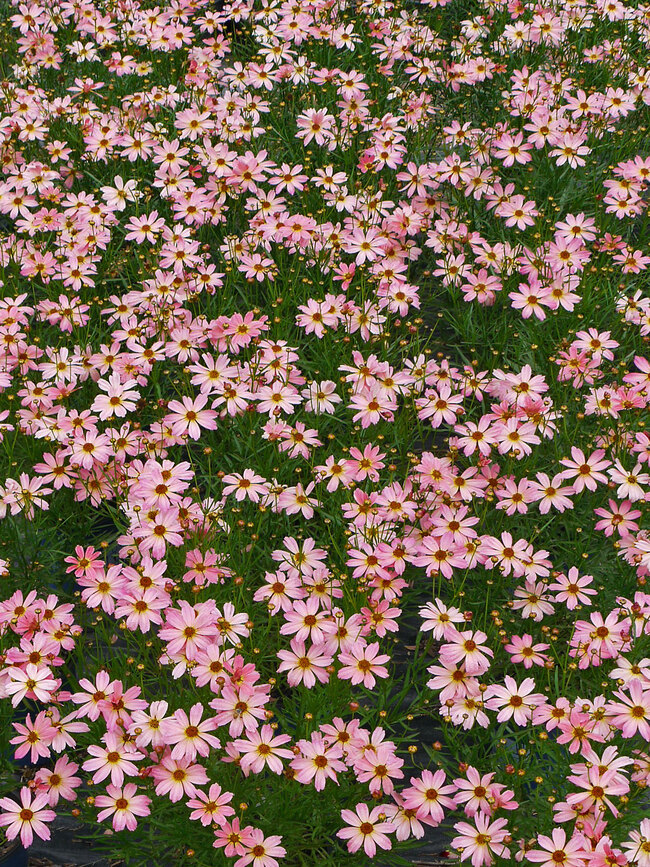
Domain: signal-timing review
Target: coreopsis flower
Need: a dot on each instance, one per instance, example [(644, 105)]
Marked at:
[(31, 682), (598, 789), (248, 484), (178, 777), (467, 647), (366, 828), (585, 472), (428, 794), (27, 818), (305, 665), (213, 806), (472, 792), (557, 850), (115, 759), (261, 749), (513, 700), (35, 737), (621, 518), (318, 761), (362, 664), (261, 851), (522, 649), (123, 805), (59, 782), (188, 734), (378, 767), (631, 713), (637, 846), (189, 416), (241, 708), (479, 842), (439, 619), (573, 589)]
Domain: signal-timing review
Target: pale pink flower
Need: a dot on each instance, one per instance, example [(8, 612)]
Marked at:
[(261, 749), (123, 805), (366, 828), (481, 840), (26, 818)]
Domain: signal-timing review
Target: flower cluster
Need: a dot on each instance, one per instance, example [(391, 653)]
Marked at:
[(315, 316)]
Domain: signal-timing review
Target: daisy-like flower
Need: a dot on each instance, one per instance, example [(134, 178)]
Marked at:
[(144, 228), (321, 397), (59, 782), (114, 759), (555, 851), (305, 665), (367, 828), (621, 518), (427, 795), (631, 714), (473, 792), (35, 737), (123, 805), (585, 472), (211, 807), (27, 818), (189, 416), (439, 619), (573, 589), (34, 681), (513, 700), (178, 778), (468, 648), (522, 649), (637, 847), (261, 851), (363, 664), (481, 840), (319, 761), (247, 485), (551, 493), (120, 397), (189, 734), (261, 749)]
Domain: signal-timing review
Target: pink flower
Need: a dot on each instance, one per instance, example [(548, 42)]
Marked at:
[(261, 851), (60, 782), (114, 759), (27, 818), (260, 749), (35, 737), (468, 648), (522, 649), (189, 735), (247, 485), (573, 589), (189, 416), (319, 761), (211, 807), (31, 682), (178, 777), (427, 795), (305, 665), (631, 715), (379, 767), (555, 850), (514, 701), (123, 805), (363, 664), (366, 828), (481, 840)]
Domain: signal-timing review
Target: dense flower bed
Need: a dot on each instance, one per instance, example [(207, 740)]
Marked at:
[(318, 320)]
